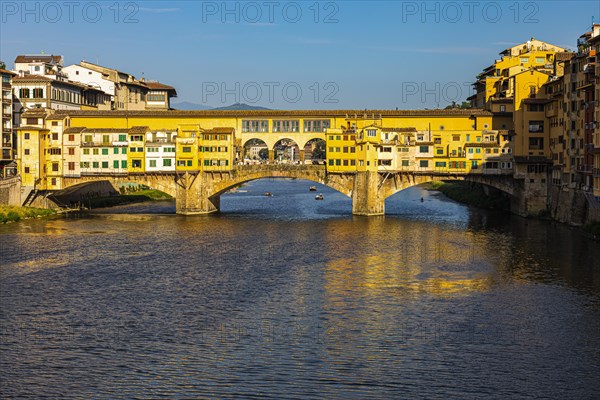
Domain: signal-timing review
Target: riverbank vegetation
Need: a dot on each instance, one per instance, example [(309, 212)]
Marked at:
[(473, 194), (16, 213)]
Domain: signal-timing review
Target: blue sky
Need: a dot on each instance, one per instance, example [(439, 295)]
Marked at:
[(294, 54)]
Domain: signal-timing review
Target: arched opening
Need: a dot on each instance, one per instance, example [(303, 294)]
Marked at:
[(286, 151), (255, 151), (315, 151), (284, 197), (446, 199)]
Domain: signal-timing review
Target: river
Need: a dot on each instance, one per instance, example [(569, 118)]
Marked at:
[(288, 297)]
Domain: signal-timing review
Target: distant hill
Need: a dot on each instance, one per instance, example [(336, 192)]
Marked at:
[(241, 106), (186, 105)]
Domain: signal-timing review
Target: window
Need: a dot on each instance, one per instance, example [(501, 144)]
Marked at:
[(55, 136), (24, 93), (31, 121), (536, 143), (287, 126), (371, 132), (71, 166), (132, 150), (38, 93), (104, 152), (136, 163), (536, 126), (440, 164), (136, 138), (26, 136), (166, 162), (437, 140), (423, 149), (71, 138), (468, 137), (478, 150), (124, 150), (474, 164), (53, 181), (26, 170), (26, 152), (116, 164), (186, 149), (439, 151), (104, 164), (71, 151), (424, 163), (540, 60), (318, 125), (95, 151), (502, 108), (255, 125), (86, 151), (153, 163), (123, 164), (456, 138), (105, 138), (122, 138), (95, 164), (115, 150), (524, 60)]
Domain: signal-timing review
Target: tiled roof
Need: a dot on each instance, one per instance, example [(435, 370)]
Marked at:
[(74, 129), (399, 129), (351, 114), (563, 56), (158, 86), (31, 78), (106, 130), (5, 71), (139, 129), (56, 117), (35, 112), (31, 128), (38, 58), (220, 130)]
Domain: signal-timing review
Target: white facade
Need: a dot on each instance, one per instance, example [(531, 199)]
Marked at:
[(87, 76), (160, 151)]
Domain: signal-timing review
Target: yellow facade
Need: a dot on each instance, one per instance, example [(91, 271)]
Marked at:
[(77, 143)]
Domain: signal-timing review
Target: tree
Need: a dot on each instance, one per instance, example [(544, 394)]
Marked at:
[(319, 151), (2, 65)]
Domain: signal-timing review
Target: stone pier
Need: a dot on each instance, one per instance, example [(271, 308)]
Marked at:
[(367, 199)]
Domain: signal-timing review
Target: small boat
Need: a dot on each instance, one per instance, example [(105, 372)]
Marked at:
[(268, 194), (313, 189), (319, 197)]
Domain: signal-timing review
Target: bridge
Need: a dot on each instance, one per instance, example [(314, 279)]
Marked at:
[(199, 192)]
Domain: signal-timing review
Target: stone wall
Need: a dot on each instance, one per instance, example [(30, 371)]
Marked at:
[(571, 207), (10, 191)]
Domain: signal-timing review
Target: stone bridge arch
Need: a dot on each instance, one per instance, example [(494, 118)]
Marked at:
[(394, 183), (200, 194)]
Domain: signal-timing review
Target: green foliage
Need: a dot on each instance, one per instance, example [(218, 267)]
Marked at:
[(14, 213)]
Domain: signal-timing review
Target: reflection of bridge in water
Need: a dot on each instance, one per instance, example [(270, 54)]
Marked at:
[(199, 192)]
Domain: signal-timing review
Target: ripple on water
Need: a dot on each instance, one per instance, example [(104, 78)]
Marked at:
[(299, 300)]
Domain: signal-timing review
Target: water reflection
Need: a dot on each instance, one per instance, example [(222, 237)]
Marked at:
[(298, 300)]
